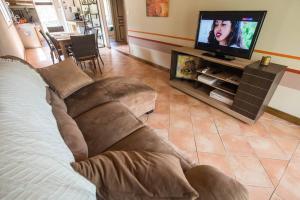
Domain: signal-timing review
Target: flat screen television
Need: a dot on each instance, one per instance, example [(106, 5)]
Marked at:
[(229, 34)]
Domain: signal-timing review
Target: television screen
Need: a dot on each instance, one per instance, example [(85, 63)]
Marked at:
[(229, 32)]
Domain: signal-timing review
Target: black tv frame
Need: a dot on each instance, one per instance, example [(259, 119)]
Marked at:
[(228, 53)]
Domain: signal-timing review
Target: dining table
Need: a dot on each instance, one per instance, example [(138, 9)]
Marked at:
[(64, 39)]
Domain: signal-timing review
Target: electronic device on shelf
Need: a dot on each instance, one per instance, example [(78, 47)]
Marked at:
[(206, 79), (221, 96), (225, 34)]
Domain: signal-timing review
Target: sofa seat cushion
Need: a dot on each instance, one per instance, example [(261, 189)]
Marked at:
[(136, 175), (146, 139), (138, 97), (211, 184), (105, 125)]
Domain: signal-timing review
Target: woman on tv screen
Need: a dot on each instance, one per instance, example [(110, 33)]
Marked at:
[(226, 33)]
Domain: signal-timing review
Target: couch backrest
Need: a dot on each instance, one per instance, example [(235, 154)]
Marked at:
[(34, 160)]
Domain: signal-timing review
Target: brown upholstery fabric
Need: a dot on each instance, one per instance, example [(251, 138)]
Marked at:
[(70, 133), (48, 95), (87, 98), (146, 139), (211, 184), (138, 97), (105, 125), (65, 77), (56, 101), (136, 175)]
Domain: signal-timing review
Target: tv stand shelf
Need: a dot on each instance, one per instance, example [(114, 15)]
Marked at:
[(250, 85), (239, 63)]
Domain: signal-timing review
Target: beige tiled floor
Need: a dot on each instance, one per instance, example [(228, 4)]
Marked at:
[(264, 156)]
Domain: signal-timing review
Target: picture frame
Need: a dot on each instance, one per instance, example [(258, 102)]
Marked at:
[(187, 67), (157, 8)]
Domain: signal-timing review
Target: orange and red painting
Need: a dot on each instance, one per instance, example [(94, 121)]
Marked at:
[(157, 8)]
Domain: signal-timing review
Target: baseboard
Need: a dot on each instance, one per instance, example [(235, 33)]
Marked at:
[(283, 115)]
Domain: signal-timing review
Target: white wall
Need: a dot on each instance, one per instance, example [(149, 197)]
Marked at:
[(10, 42)]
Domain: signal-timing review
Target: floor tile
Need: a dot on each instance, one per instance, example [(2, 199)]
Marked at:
[(289, 185), (157, 120), (183, 139), (274, 169), (162, 108), (210, 143), (257, 129), (218, 161), (249, 171), (266, 148), (236, 144), (204, 125), (259, 193)]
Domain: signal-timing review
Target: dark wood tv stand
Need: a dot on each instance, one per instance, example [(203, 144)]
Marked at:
[(251, 88)]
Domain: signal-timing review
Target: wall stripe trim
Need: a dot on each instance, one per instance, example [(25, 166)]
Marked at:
[(163, 35), (189, 39), (176, 45), (157, 41)]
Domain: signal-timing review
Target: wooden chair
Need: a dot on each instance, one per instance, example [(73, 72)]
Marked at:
[(53, 29), (52, 48), (84, 49), (57, 50)]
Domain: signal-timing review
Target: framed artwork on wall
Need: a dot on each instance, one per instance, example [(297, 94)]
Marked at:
[(157, 8), (5, 12)]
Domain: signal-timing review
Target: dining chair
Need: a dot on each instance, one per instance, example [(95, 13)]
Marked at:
[(96, 32), (56, 29), (84, 49), (57, 50), (52, 48)]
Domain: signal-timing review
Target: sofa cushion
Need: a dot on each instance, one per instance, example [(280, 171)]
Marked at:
[(65, 77), (211, 184), (136, 175), (138, 97), (146, 139), (71, 133), (87, 98), (105, 125)]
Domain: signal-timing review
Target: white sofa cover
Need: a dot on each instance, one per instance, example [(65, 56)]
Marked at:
[(34, 160)]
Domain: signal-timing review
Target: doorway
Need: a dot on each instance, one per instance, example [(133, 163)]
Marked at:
[(116, 25)]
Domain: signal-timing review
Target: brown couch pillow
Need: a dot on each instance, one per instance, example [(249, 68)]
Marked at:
[(65, 77), (211, 184), (136, 175), (71, 134)]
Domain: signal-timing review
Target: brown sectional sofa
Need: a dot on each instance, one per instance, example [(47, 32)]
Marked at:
[(103, 113), (107, 113)]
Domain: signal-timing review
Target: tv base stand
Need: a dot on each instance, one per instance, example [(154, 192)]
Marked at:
[(219, 56)]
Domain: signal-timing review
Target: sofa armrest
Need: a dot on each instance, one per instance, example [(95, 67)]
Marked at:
[(211, 184)]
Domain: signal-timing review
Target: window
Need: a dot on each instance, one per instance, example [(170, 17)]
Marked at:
[(47, 13), (5, 12)]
